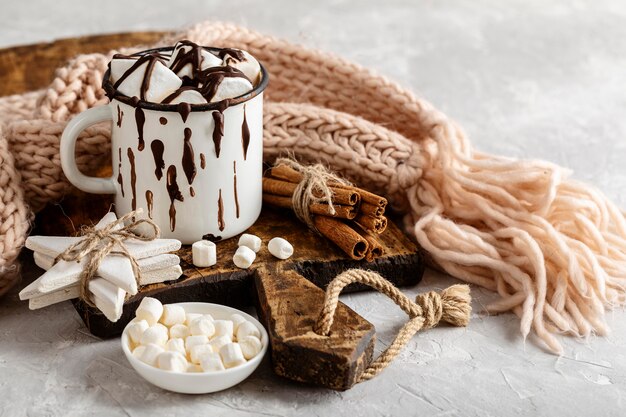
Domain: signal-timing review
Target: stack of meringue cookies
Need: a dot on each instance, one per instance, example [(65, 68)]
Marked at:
[(167, 337)]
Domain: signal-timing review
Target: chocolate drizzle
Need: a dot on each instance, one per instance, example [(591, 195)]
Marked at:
[(218, 131), (235, 188), (157, 151), (151, 60), (211, 237), (140, 118), (133, 178), (245, 134), (120, 115), (189, 164), (192, 192), (163, 120), (211, 78), (202, 161), (174, 193), (120, 180), (220, 213), (149, 202), (184, 109), (235, 53), (191, 57)]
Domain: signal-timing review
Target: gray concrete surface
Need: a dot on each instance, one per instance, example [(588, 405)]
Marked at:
[(525, 78)]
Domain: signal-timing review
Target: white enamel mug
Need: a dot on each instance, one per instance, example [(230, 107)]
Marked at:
[(171, 161)]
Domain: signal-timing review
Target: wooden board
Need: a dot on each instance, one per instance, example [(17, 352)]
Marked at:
[(315, 258), (30, 67)]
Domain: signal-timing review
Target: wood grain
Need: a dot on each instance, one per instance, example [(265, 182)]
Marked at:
[(30, 67)]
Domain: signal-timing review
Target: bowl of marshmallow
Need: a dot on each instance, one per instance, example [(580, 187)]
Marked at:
[(193, 348)]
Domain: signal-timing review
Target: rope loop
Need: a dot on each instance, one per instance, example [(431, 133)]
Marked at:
[(452, 306)]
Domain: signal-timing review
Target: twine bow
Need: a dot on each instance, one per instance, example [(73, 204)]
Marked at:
[(452, 306), (96, 244), (314, 188)]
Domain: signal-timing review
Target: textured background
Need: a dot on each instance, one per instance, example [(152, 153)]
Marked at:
[(525, 78)]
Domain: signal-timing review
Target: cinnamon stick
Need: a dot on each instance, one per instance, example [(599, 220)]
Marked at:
[(341, 211), (375, 249), (280, 187), (348, 239), (372, 210), (375, 224), (285, 173), (289, 174)]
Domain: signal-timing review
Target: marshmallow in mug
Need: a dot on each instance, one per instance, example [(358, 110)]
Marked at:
[(209, 344), (192, 74)]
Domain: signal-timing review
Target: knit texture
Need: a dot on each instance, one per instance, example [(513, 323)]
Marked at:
[(554, 249)]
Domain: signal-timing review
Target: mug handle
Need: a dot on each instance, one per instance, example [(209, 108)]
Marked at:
[(67, 149)]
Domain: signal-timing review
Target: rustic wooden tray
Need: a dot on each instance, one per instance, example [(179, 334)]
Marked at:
[(286, 300)]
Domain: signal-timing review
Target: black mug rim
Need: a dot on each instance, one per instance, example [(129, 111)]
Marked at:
[(113, 94)]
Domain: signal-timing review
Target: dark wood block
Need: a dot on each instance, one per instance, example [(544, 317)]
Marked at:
[(288, 306)]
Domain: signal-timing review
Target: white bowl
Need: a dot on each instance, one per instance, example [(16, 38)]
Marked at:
[(199, 382)]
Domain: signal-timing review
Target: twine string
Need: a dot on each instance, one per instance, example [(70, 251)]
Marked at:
[(97, 244), (313, 188), (452, 305)]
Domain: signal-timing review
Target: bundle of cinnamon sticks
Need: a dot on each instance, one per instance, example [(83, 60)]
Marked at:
[(358, 219)]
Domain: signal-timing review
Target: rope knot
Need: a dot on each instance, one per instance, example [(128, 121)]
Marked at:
[(452, 305), (97, 243), (432, 308), (314, 188)]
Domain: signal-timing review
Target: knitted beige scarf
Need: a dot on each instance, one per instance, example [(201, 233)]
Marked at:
[(553, 248)]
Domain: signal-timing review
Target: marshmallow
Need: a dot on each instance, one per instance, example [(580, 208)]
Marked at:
[(232, 355), (280, 248), (156, 334), (237, 319), (173, 314), (208, 317), (191, 97), (250, 346), (195, 340), (223, 328), (191, 317), (219, 341), (251, 241), (172, 361), (194, 368), (138, 351), (247, 329), (150, 353), (202, 326), (135, 330), (208, 60), (119, 66), (179, 331), (149, 310), (231, 87), (162, 82), (249, 66), (196, 353), (204, 253), (212, 362), (244, 256), (176, 345)]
